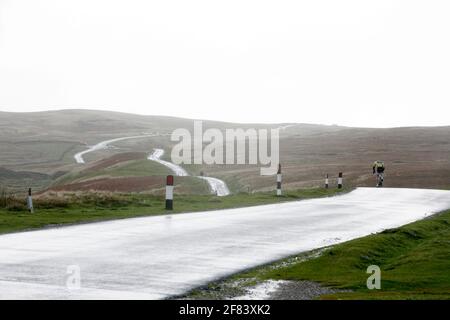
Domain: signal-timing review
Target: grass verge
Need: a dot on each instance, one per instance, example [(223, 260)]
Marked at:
[(92, 207), (414, 261)]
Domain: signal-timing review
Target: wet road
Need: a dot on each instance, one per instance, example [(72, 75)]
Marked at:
[(217, 186), (104, 145), (158, 257), (156, 156)]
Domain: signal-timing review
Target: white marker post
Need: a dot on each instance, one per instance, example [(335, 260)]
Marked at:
[(340, 180), (30, 201), (169, 193), (326, 182), (279, 180)]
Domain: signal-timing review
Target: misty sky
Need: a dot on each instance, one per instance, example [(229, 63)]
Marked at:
[(359, 63)]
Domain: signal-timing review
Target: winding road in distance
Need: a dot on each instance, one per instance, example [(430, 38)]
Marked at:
[(216, 185), (104, 145)]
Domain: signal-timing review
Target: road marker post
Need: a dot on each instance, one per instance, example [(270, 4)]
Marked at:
[(30, 201), (279, 180), (340, 180), (326, 182), (169, 192)]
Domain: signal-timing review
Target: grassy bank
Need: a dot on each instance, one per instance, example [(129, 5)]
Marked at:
[(414, 262), (91, 207)]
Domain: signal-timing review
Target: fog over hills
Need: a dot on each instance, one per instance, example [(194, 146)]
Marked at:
[(46, 142)]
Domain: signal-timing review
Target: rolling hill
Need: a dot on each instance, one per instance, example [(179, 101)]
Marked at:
[(43, 144)]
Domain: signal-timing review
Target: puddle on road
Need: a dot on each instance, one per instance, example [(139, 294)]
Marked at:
[(262, 291)]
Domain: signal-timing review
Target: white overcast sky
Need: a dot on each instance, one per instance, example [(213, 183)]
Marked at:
[(360, 63)]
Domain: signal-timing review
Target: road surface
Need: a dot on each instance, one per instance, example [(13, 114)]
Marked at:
[(162, 256), (176, 169), (104, 145), (217, 186)]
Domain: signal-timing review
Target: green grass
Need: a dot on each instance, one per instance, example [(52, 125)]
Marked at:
[(95, 207), (137, 168), (414, 262), (133, 168)]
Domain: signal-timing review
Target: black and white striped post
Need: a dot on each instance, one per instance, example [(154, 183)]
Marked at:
[(340, 180), (326, 182), (30, 201), (169, 193), (279, 180)]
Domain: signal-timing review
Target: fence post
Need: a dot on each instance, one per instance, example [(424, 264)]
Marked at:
[(169, 193), (279, 180), (30, 201), (326, 182), (340, 180)]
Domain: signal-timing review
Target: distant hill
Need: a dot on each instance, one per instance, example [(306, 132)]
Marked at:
[(20, 180), (10, 174), (45, 143)]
